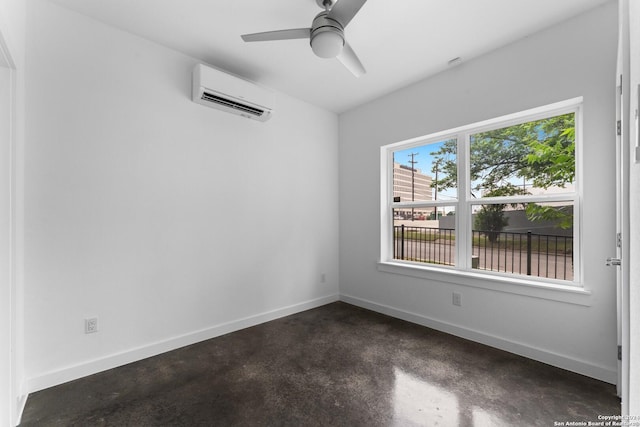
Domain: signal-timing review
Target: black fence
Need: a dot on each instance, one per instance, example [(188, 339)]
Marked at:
[(541, 255), (424, 244)]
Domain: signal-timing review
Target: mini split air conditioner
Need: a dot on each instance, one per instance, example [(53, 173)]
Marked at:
[(217, 89)]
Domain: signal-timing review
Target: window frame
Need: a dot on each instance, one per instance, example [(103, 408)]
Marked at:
[(464, 201)]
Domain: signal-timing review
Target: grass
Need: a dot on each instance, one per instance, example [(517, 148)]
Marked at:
[(427, 261), (538, 244), (561, 245), (424, 236)]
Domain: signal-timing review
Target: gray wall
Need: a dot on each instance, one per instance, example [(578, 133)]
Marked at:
[(575, 58), (129, 192), (12, 83), (518, 223)]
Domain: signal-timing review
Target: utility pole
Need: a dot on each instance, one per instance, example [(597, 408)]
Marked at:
[(413, 173), (436, 166)]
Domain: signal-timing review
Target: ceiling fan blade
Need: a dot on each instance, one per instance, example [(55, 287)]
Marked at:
[(296, 33), (344, 10), (350, 60)]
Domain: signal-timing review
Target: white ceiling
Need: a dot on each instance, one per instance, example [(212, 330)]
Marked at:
[(398, 41)]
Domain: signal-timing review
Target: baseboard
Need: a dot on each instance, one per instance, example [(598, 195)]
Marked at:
[(74, 372), (554, 359), (21, 403)]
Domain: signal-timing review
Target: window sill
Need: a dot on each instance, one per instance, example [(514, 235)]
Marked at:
[(570, 294)]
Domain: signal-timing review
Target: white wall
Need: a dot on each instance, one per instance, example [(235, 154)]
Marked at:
[(576, 58), (169, 221), (12, 33), (6, 280)]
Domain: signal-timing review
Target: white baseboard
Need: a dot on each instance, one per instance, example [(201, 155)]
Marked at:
[(74, 372), (90, 367), (21, 403), (582, 367)]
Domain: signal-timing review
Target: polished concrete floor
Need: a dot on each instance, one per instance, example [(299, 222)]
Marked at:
[(336, 365)]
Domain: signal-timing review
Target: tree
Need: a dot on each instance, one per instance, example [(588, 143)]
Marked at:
[(490, 220), (540, 152)]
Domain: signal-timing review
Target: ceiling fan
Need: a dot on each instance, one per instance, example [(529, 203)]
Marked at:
[(326, 34)]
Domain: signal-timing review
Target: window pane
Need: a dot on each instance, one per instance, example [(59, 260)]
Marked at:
[(425, 173), (425, 238), (535, 239), (536, 157)]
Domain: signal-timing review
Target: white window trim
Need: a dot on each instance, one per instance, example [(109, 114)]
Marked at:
[(558, 290)]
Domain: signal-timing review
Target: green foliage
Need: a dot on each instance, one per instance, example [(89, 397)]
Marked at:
[(562, 216), (490, 220), (447, 166), (540, 153), (553, 159)]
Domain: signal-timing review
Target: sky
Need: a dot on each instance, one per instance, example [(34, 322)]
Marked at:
[(425, 161), (424, 164)]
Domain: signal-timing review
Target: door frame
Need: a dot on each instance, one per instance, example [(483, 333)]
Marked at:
[(9, 409), (623, 93)]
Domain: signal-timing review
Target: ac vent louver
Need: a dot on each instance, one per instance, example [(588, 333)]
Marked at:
[(231, 94), (231, 104)]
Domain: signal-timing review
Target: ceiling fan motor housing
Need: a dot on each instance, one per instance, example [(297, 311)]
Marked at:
[(327, 36)]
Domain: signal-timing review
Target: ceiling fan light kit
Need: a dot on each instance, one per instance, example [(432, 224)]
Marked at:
[(326, 35)]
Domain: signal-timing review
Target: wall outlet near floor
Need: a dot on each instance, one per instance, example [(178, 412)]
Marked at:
[(91, 325), (457, 299), (323, 278)]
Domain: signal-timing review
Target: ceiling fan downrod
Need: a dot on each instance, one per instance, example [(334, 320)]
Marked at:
[(326, 4)]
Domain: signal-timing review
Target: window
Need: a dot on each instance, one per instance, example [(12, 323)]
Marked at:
[(498, 197)]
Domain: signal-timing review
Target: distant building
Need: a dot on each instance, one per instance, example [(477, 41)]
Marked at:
[(411, 185), (420, 190)]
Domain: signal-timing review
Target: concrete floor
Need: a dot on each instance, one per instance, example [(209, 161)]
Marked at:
[(336, 365)]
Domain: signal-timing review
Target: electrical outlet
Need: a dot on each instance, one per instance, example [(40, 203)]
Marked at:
[(323, 278), (457, 299), (91, 325)]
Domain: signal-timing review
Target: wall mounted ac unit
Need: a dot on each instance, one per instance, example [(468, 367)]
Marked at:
[(217, 89)]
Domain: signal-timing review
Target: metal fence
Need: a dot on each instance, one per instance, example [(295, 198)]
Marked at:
[(541, 255), (424, 244)]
